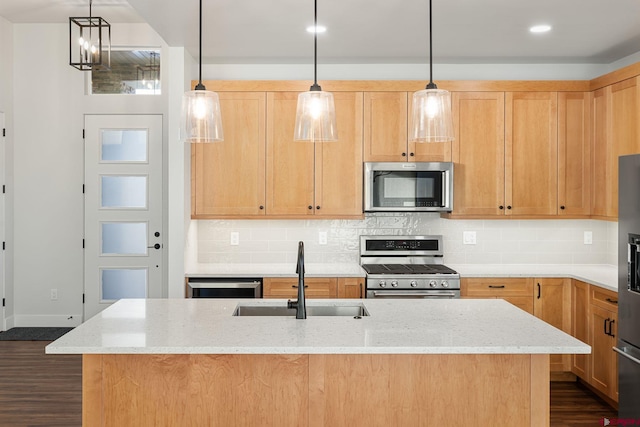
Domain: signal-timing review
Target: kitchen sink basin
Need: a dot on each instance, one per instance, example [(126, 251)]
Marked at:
[(312, 310)]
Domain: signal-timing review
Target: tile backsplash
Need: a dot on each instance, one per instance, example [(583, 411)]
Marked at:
[(497, 241)]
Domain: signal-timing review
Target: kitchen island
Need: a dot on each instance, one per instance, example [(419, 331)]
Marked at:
[(410, 362)]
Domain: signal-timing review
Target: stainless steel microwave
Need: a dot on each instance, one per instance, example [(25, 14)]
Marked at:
[(408, 187)]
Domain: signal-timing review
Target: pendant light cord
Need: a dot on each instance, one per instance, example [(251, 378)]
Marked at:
[(200, 86), (315, 86), (431, 84)]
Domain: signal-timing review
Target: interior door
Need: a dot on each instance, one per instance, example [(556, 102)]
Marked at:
[(3, 324), (123, 209)]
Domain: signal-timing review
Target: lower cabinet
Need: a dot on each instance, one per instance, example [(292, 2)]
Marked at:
[(580, 363), (552, 303), (316, 287), (517, 291), (602, 338)]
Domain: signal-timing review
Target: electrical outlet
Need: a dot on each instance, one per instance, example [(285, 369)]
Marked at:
[(54, 295), (468, 237), (235, 238), (588, 238), (322, 238)]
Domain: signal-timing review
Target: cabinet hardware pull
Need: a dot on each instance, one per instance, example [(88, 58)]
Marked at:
[(612, 301), (538, 290), (611, 328), (310, 207), (361, 288), (318, 207), (404, 154), (562, 207), (261, 207), (296, 286), (500, 207), (411, 154), (605, 325), (508, 206), (496, 287)]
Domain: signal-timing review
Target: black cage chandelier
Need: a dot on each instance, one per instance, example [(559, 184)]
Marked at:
[(89, 42)]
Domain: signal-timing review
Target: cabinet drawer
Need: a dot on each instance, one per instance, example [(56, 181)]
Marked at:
[(604, 299), (286, 287), (496, 287)]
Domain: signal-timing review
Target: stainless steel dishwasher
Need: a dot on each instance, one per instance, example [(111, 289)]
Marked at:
[(227, 287)]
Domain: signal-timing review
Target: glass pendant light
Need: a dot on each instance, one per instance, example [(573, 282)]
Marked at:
[(316, 113), (431, 112), (201, 117)]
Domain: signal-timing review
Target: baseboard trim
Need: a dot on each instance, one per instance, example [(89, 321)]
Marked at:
[(35, 320), (9, 323)]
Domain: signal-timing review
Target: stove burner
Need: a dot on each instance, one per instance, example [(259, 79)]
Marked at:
[(407, 269)]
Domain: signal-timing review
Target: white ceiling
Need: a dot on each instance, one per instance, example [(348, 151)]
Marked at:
[(371, 31)]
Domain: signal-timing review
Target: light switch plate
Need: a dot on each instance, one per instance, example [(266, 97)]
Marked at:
[(469, 237), (588, 238), (322, 238), (235, 238)]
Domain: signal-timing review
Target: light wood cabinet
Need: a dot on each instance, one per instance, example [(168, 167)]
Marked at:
[(387, 131), (287, 287), (305, 179), (580, 363), (478, 153), (228, 177), (552, 303), (351, 287), (574, 154), (517, 291), (602, 338), (603, 156), (531, 153)]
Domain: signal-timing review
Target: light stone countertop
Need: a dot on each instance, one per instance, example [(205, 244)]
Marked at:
[(206, 326), (603, 275)]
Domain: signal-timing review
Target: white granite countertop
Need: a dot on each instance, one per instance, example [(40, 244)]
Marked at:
[(603, 275), (206, 326), (275, 270)]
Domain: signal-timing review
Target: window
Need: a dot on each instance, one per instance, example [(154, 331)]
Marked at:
[(133, 72)]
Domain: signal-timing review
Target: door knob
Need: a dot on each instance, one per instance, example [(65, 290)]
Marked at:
[(157, 234), (156, 246)]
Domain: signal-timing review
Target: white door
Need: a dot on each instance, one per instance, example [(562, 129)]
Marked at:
[(3, 178), (123, 226)]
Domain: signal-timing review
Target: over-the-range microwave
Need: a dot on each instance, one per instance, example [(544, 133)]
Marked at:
[(408, 187)]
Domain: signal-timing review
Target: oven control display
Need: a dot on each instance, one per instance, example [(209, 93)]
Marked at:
[(411, 245)]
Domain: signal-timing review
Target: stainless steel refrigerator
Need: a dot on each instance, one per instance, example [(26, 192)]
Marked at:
[(628, 345)]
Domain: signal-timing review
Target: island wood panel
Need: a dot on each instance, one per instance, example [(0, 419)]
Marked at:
[(531, 153), (552, 303), (603, 181), (228, 177), (287, 287), (385, 126), (338, 165), (316, 390), (478, 153), (574, 154), (580, 326)]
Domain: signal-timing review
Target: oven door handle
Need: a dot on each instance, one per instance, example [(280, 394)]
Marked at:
[(432, 294)]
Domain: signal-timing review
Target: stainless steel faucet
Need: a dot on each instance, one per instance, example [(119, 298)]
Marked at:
[(300, 304)]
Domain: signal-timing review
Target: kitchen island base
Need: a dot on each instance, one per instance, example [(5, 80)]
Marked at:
[(315, 389)]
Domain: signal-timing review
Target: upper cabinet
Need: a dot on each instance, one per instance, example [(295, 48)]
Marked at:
[(227, 177), (321, 179), (387, 130), (531, 153)]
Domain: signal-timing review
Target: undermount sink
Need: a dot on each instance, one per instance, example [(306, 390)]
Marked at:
[(312, 310)]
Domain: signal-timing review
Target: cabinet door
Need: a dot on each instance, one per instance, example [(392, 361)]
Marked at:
[(574, 154), (478, 153), (552, 303), (603, 361), (228, 176), (290, 164), (385, 127), (603, 154), (351, 287), (580, 326), (287, 287), (496, 287), (338, 165), (531, 153)]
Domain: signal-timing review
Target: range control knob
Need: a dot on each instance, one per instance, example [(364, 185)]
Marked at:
[(382, 284), (414, 284), (433, 283), (444, 284), (394, 284)]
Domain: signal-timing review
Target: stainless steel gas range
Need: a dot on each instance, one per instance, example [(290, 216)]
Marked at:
[(407, 267)]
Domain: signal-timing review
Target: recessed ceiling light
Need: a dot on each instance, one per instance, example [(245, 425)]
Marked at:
[(540, 28), (318, 29)]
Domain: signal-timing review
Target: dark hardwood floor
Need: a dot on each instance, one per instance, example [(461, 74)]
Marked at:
[(46, 390)]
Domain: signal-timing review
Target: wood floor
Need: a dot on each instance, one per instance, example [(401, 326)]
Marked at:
[(45, 390)]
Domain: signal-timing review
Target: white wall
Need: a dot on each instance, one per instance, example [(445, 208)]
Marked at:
[(6, 106), (49, 106)]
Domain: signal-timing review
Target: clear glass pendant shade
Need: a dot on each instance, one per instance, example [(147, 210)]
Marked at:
[(315, 117), (431, 116), (201, 117)]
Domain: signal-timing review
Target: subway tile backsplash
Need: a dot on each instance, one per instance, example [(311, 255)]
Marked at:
[(497, 241)]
